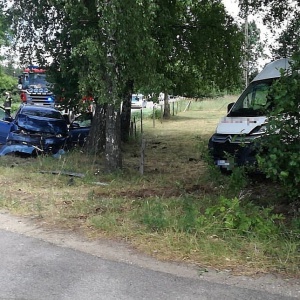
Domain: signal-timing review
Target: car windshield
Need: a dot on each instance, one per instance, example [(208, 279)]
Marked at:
[(136, 97), (254, 100), (52, 114), (83, 120)]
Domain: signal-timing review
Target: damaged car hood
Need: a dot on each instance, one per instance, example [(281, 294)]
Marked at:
[(42, 125)]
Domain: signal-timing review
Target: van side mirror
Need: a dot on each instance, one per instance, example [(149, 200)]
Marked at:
[(229, 106)]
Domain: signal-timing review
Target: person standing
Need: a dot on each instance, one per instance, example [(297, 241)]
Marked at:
[(7, 103)]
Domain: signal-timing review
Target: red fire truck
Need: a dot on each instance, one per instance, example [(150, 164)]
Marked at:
[(34, 88)]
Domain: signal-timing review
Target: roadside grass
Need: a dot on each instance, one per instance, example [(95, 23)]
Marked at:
[(180, 209)]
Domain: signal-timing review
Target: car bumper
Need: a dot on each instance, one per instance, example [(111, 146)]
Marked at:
[(38, 141)]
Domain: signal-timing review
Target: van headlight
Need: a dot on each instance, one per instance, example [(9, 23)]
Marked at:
[(259, 130)]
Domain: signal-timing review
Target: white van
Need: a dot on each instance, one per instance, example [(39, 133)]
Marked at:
[(233, 142)]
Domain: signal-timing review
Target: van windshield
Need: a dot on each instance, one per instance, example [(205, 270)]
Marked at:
[(254, 100)]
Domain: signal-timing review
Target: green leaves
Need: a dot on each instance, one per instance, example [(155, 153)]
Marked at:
[(7, 82), (281, 161), (157, 44), (245, 218), (228, 215)]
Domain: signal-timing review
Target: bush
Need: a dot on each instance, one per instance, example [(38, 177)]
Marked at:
[(241, 218), (156, 112), (244, 218), (281, 161)]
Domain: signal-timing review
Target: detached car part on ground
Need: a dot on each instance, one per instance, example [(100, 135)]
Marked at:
[(36, 130), (239, 135)]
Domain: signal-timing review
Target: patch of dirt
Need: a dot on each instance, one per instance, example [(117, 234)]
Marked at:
[(148, 193), (165, 192)]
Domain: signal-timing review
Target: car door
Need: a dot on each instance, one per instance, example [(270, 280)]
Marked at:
[(5, 125)]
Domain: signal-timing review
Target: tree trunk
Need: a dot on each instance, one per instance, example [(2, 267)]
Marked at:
[(167, 112), (95, 143), (126, 111), (113, 154)]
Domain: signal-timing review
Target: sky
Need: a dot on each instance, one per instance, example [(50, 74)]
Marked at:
[(233, 9)]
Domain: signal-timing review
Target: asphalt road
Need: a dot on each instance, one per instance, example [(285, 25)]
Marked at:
[(34, 269)]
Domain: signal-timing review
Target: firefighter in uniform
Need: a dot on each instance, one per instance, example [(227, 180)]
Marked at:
[(7, 103)]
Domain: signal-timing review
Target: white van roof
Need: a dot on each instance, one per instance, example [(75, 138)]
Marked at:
[(272, 69)]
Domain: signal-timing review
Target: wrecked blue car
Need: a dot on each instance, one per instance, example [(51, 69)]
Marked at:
[(34, 130), (79, 130)]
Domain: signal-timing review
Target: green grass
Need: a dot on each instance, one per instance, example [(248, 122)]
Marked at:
[(181, 209)]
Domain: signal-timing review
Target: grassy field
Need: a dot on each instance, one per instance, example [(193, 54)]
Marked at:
[(180, 209)]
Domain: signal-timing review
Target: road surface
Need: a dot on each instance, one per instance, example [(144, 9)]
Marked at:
[(36, 264)]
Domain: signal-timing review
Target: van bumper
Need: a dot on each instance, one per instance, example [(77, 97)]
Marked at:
[(227, 153)]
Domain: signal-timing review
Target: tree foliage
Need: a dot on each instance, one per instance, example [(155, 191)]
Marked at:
[(108, 49), (203, 45), (288, 41), (281, 161), (4, 29), (7, 83), (178, 39), (273, 12), (282, 18), (254, 49)]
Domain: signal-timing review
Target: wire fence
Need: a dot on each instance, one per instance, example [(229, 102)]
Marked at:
[(156, 113)]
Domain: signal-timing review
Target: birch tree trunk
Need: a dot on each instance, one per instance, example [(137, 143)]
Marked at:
[(167, 113), (126, 111), (95, 142), (113, 154)]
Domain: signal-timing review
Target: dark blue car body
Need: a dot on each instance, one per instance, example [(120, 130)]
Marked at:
[(34, 130), (79, 130), (5, 126)]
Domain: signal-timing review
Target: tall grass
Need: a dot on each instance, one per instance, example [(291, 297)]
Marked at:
[(182, 208)]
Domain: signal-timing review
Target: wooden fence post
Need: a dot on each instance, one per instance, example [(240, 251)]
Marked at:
[(153, 116), (142, 163), (134, 124), (188, 106), (141, 121)]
